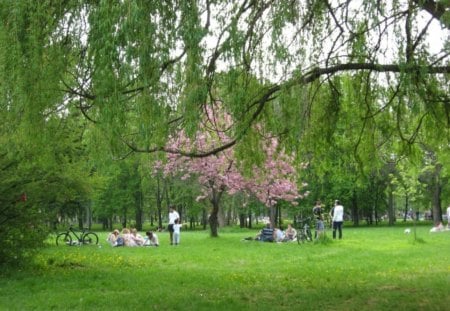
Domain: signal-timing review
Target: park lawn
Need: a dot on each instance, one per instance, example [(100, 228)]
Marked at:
[(370, 269)]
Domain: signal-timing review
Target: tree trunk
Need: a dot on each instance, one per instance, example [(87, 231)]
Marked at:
[(204, 218), (80, 215), (405, 215), (124, 220), (436, 195), (88, 215), (354, 208), (278, 219), (391, 209), (159, 198), (214, 216), (214, 219), (139, 208), (272, 213), (241, 220)]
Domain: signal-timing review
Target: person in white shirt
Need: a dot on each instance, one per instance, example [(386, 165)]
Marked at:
[(176, 231), (151, 239), (338, 218), (448, 217), (279, 235), (173, 215)]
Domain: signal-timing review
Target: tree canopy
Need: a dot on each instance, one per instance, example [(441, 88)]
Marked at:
[(138, 70), (350, 87)]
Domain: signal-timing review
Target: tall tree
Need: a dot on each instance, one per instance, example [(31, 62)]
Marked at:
[(272, 181)]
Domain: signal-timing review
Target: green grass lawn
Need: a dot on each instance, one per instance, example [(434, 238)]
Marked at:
[(370, 269)]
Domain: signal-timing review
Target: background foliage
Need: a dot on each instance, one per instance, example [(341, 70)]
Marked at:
[(92, 91)]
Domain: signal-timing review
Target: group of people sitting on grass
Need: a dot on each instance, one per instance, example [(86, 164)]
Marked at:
[(269, 234), (132, 238)]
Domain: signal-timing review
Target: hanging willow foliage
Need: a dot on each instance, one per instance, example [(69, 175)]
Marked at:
[(140, 70)]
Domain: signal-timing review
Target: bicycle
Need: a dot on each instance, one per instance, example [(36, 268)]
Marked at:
[(304, 233), (84, 237)]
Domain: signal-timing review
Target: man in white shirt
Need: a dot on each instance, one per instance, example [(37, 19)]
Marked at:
[(173, 215), (338, 218), (448, 217)]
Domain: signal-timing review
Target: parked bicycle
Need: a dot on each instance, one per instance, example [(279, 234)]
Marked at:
[(304, 233), (77, 237)]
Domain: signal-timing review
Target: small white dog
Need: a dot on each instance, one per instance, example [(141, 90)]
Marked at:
[(407, 231)]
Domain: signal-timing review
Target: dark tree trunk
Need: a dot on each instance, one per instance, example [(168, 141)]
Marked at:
[(139, 209), (214, 216), (278, 216), (354, 209), (204, 219), (405, 214), (272, 214), (436, 195), (88, 214), (241, 220), (159, 199), (214, 220), (391, 209), (80, 216), (105, 224), (124, 220)]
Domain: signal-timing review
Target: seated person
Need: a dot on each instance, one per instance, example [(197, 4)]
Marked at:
[(138, 239), (438, 228), (112, 237), (127, 238), (279, 235), (151, 239), (266, 234), (290, 233)]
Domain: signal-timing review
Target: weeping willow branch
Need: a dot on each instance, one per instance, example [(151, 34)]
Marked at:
[(317, 72), (270, 94)]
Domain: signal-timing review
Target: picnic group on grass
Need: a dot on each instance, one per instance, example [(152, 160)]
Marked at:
[(268, 234), (271, 234), (132, 238)]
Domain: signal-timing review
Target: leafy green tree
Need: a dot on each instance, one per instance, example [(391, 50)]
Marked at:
[(139, 71)]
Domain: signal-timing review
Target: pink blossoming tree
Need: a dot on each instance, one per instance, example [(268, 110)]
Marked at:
[(217, 174)]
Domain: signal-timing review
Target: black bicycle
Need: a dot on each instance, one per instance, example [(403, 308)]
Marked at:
[(77, 237), (304, 233)]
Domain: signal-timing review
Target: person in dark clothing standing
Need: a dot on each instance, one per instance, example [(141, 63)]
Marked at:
[(317, 211)]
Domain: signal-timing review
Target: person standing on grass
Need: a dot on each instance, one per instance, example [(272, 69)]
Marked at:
[(448, 217), (173, 215), (317, 211), (338, 218), (177, 231)]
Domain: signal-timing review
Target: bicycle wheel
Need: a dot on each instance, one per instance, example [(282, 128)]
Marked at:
[(63, 239), (90, 238)]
